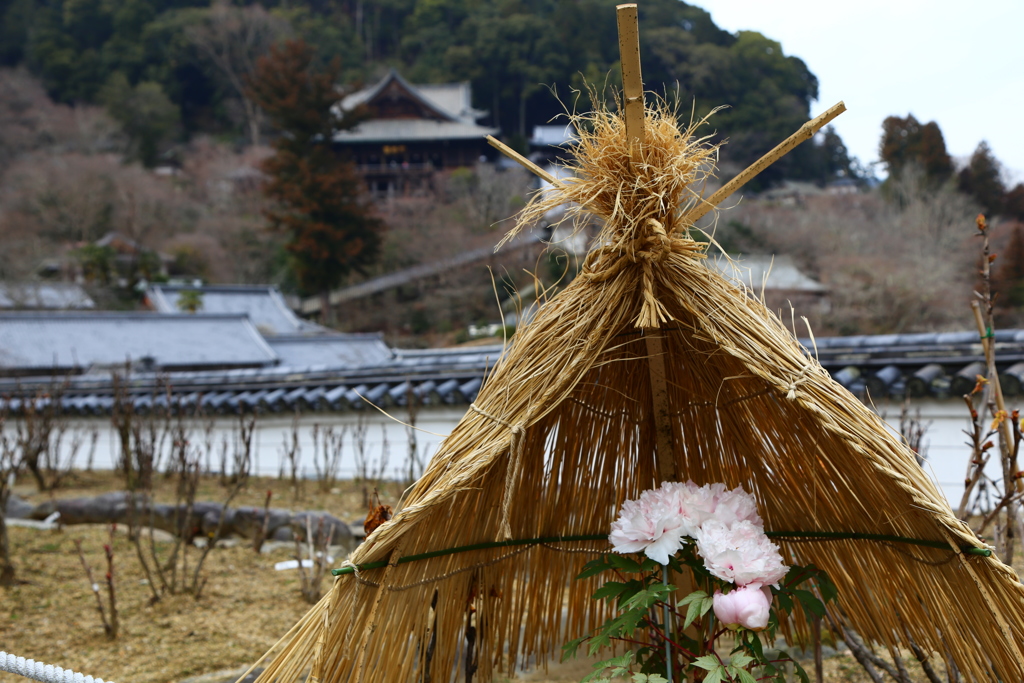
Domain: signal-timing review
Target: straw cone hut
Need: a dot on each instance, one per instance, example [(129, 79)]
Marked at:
[(648, 367)]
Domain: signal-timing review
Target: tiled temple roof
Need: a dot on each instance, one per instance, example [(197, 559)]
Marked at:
[(939, 365)]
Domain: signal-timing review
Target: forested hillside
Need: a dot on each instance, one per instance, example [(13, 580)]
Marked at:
[(173, 68)]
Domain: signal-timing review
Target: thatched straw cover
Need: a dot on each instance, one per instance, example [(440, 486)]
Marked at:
[(572, 400)]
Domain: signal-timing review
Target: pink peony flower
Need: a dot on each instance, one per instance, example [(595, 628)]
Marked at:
[(740, 553), (748, 606), (694, 504), (650, 524), (657, 522), (737, 506)]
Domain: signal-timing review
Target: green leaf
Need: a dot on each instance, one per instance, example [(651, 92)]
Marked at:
[(715, 675), (740, 660), (800, 673), (597, 642), (745, 676), (569, 649), (631, 589), (829, 592), (624, 563), (706, 604), (608, 590), (695, 595), (622, 660), (707, 662), (692, 612), (631, 619), (648, 678), (594, 567), (810, 602), (649, 565), (646, 597), (755, 646)]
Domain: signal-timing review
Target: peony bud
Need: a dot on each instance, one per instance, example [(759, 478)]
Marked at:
[(746, 607)]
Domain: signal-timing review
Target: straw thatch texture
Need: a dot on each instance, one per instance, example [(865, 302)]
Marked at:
[(563, 432)]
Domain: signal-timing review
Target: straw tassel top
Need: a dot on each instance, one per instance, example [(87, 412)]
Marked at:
[(639, 191)]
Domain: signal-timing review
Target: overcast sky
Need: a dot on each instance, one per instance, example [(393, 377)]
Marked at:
[(960, 64)]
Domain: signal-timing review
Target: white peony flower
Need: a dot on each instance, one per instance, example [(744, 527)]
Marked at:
[(650, 524), (740, 553)]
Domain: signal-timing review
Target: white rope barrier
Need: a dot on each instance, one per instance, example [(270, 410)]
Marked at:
[(46, 673)]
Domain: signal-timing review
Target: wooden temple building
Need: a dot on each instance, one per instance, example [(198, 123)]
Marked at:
[(412, 132)]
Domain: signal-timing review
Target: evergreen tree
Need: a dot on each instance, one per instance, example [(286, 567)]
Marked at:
[(1009, 278), (933, 155), (331, 229), (146, 114), (982, 179), (1013, 203), (906, 141)]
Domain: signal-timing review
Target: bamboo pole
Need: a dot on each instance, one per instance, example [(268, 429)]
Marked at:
[(520, 159), (806, 132), (632, 81), (633, 105)]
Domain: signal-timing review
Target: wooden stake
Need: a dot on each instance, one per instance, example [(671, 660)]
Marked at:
[(660, 405), (632, 81), (806, 132)]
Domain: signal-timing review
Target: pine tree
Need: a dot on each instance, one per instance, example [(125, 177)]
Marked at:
[(319, 197)]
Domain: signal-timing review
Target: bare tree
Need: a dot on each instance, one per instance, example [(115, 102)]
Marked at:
[(38, 435), (94, 436), (291, 451), (414, 465), (108, 613), (327, 455), (241, 453), (316, 548), (10, 464), (171, 573), (232, 39), (359, 452)]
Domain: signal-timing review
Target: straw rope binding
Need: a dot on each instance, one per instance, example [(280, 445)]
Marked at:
[(511, 472)]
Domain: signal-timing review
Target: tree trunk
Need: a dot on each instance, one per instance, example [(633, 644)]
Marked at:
[(6, 566), (326, 315), (252, 116), (522, 110), (32, 464)]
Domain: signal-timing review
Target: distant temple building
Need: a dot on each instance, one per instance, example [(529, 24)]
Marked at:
[(412, 131)]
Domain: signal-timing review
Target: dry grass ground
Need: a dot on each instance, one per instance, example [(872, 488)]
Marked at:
[(245, 607)]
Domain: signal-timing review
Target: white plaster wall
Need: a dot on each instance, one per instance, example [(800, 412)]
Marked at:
[(944, 440), (944, 443)]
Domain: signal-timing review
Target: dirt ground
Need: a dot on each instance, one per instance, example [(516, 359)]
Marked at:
[(245, 607)]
